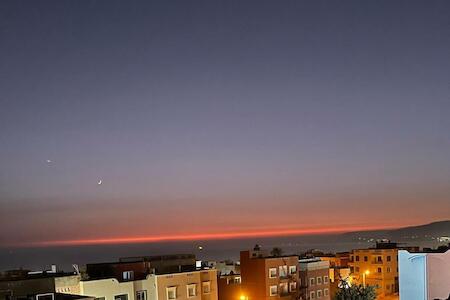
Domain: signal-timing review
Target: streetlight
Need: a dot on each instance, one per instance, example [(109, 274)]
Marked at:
[(242, 297), (364, 277)]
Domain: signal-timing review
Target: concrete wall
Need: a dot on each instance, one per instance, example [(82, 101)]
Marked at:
[(109, 288), (68, 284), (181, 280), (424, 276)]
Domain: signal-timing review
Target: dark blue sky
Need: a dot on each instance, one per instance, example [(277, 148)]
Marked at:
[(205, 116)]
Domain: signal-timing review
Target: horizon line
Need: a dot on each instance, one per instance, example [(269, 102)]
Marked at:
[(200, 236)]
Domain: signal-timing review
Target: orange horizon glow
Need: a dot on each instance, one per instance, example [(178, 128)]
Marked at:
[(202, 236)]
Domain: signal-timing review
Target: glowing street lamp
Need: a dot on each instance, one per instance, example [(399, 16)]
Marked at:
[(242, 297), (364, 277)]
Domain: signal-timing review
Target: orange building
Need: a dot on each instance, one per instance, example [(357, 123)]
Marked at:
[(267, 277), (376, 267)]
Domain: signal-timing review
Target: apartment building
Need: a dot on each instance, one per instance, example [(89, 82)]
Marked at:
[(267, 277), (25, 284), (377, 267), (194, 285), (314, 280), (424, 276)]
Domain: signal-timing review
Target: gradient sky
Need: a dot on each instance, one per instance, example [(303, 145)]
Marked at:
[(206, 117)]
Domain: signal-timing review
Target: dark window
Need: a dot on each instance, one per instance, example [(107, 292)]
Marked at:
[(366, 258), (388, 258), (357, 257), (379, 270)]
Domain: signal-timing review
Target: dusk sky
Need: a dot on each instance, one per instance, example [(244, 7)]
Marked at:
[(205, 117)]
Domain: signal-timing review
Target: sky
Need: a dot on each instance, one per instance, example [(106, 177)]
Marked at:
[(205, 118)]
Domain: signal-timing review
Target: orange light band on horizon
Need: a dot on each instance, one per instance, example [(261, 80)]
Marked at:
[(204, 236)]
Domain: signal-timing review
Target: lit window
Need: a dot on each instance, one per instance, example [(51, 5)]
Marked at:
[(319, 280), (128, 275), (319, 294), (312, 281), (206, 287), (272, 272), (171, 292), (326, 292), (325, 279), (312, 295), (141, 295), (273, 290), (191, 290), (292, 270), (237, 279), (283, 271), (292, 286), (284, 288)]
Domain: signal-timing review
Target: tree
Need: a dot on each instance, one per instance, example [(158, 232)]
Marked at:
[(276, 252), (355, 292)]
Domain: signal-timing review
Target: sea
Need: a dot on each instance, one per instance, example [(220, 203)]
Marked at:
[(64, 257)]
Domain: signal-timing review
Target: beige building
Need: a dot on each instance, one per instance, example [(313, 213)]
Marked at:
[(195, 285)]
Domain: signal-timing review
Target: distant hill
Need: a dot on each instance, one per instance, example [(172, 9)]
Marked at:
[(428, 231)]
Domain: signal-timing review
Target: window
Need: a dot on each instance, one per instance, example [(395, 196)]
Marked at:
[(284, 288), (319, 294), (272, 272), (366, 258), (282, 271), (388, 258), (121, 297), (379, 259), (357, 257), (273, 290), (128, 275), (292, 286), (312, 281), (312, 295), (292, 270), (171, 292), (379, 270), (319, 280), (206, 287), (388, 269), (191, 290), (357, 269), (325, 279), (141, 295), (326, 292), (237, 279)]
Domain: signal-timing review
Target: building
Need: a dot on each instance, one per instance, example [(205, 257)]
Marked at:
[(314, 280), (424, 276), (267, 277), (377, 267), (227, 267), (194, 285), (24, 284), (339, 271), (230, 287), (135, 268)]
